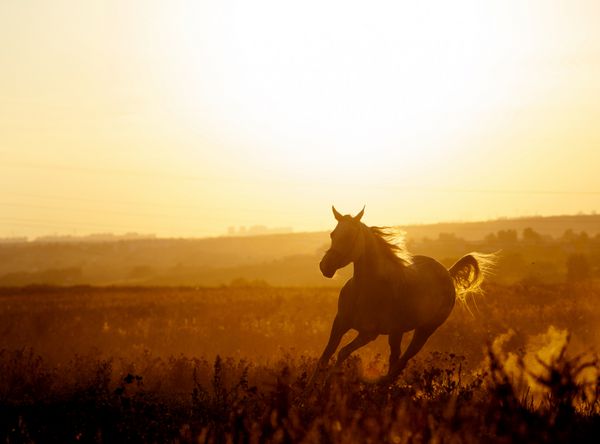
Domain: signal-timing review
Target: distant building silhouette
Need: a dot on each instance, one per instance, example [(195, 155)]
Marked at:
[(257, 230)]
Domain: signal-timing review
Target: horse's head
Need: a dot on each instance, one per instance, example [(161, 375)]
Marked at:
[(347, 244)]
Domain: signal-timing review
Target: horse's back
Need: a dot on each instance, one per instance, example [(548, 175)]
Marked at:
[(425, 273), (428, 268)]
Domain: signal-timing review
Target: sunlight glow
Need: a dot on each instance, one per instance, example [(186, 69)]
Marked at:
[(189, 116), (318, 84)]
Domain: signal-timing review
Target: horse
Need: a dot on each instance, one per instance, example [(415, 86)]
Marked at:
[(391, 292)]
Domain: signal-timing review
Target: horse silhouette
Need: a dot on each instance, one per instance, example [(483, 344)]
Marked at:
[(391, 292)]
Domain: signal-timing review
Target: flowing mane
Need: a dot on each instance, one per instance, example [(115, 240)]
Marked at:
[(392, 243)]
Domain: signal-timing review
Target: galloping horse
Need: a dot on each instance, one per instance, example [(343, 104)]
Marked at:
[(391, 292)]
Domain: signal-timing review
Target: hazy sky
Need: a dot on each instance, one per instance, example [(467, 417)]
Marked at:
[(185, 117)]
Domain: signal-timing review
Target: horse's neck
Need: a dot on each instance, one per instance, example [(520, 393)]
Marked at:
[(373, 263)]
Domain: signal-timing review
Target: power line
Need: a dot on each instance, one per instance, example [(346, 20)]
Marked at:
[(147, 204), (111, 212), (39, 223), (110, 171), (498, 191), (308, 184)]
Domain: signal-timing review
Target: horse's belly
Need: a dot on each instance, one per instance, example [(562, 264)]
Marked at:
[(423, 306), (396, 312), (383, 317)]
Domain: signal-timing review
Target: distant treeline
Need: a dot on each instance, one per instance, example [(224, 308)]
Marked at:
[(553, 249)]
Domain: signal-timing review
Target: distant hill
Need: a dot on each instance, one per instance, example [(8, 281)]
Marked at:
[(553, 226), (277, 259)]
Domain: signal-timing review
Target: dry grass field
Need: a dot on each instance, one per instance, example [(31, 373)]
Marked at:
[(231, 364)]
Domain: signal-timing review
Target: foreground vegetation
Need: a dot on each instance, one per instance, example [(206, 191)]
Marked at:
[(231, 365), (238, 401)]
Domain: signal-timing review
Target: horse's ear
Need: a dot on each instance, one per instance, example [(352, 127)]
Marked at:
[(359, 216), (337, 215)]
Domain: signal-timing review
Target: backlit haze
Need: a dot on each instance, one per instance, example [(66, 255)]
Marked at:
[(182, 118)]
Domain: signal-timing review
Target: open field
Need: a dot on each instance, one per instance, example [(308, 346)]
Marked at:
[(186, 187), (231, 363)]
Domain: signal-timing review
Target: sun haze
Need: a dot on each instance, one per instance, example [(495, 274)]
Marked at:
[(183, 118)]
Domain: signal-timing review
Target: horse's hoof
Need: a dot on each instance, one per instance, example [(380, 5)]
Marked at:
[(385, 381), (380, 381)]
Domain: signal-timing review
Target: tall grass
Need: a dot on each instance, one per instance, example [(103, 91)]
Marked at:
[(232, 364), (226, 400)]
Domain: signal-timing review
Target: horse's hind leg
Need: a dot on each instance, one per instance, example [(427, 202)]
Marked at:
[(417, 342), (395, 342)]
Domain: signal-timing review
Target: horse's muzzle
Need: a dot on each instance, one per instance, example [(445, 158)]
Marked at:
[(327, 270)]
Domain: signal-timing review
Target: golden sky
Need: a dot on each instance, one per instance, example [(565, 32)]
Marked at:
[(184, 117)]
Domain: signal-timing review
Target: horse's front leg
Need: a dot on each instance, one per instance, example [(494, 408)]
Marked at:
[(338, 329), (395, 342), (363, 338)]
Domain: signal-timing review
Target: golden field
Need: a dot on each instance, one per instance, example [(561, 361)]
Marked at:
[(230, 364)]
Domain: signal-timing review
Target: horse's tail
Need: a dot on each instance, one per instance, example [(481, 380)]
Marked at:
[(469, 272)]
